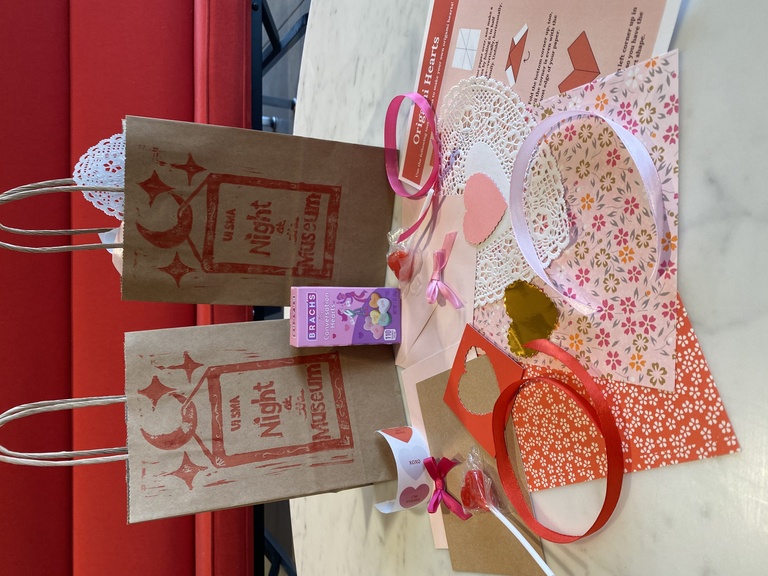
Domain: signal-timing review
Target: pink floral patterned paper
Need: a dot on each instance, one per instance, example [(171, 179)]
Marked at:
[(612, 257), (559, 445)]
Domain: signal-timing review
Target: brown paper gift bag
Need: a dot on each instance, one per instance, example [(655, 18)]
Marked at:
[(223, 215), (222, 416), (230, 415), (231, 216)]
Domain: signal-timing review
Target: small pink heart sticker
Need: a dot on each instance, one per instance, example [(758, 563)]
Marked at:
[(410, 497)]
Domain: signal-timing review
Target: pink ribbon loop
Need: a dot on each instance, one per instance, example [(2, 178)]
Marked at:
[(391, 157), (437, 469), (436, 284), (525, 153)]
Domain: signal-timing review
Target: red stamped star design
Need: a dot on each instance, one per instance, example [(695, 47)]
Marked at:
[(177, 269), (187, 470), (155, 391), (191, 168), (189, 366), (153, 186)]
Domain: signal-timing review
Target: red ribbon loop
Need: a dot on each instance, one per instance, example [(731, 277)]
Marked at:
[(437, 469), (600, 415)]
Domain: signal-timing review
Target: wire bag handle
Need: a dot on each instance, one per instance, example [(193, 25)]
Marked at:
[(51, 187), (68, 457)]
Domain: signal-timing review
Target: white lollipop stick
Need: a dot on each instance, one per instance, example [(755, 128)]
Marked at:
[(517, 534)]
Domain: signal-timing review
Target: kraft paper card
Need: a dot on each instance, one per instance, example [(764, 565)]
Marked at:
[(230, 216), (224, 416), (481, 543)]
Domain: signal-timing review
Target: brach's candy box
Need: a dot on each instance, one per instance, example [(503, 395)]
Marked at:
[(331, 316)]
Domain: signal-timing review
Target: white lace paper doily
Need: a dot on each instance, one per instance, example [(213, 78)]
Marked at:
[(104, 165), (482, 110)]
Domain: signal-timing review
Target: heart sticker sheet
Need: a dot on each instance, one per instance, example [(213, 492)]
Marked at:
[(413, 483)]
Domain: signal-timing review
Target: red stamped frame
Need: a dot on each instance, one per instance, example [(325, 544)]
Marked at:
[(218, 454), (332, 388), (213, 183)]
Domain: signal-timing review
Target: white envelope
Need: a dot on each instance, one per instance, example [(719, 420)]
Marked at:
[(431, 328)]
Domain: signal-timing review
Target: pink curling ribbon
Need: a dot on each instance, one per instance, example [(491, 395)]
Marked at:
[(437, 469), (645, 167), (436, 285), (391, 157)]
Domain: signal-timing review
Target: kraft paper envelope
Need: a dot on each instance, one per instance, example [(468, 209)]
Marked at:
[(430, 328), (482, 543)]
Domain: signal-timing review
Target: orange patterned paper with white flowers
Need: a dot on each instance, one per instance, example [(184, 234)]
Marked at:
[(559, 445)]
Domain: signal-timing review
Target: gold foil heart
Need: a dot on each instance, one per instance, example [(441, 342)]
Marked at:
[(532, 313)]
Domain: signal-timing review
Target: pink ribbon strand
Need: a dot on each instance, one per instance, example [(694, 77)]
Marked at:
[(436, 284), (428, 190), (438, 469)]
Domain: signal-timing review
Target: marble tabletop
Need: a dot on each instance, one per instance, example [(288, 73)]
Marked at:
[(707, 517)]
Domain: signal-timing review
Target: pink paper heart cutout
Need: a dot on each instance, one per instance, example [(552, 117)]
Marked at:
[(484, 207), (410, 497)]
